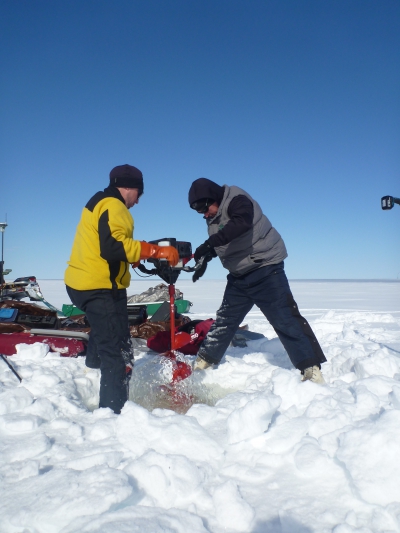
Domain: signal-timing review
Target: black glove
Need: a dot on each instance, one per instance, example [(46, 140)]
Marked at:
[(204, 249), (198, 273)]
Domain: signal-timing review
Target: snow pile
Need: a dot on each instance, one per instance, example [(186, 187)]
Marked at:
[(253, 449)]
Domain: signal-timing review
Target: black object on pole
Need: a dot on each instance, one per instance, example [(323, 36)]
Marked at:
[(387, 202), (10, 366)]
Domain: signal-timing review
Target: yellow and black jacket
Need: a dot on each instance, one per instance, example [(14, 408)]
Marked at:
[(103, 246)]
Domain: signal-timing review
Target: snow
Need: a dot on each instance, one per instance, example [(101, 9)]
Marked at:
[(246, 447)]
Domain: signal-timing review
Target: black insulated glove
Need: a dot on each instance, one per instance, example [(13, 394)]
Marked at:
[(204, 249), (202, 267), (198, 273)]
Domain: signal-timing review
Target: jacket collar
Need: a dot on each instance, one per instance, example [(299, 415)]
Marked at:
[(114, 192)]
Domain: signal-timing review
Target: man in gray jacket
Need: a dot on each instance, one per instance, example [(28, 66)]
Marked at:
[(253, 252)]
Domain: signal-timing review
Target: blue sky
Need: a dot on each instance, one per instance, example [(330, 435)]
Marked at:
[(296, 101)]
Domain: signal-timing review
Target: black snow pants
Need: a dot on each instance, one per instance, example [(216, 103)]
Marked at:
[(110, 347), (267, 288)]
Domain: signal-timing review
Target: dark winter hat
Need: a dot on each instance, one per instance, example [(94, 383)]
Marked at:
[(127, 176)]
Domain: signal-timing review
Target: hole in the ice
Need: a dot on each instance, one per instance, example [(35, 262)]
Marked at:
[(151, 387)]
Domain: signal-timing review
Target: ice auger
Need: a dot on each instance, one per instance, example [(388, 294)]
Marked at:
[(170, 274)]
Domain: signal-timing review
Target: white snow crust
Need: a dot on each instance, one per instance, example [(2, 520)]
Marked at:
[(246, 447)]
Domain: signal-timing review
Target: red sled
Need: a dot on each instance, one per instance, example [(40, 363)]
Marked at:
[(66, 343)]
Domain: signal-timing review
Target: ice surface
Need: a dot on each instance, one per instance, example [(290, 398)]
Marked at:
[(247, 447)]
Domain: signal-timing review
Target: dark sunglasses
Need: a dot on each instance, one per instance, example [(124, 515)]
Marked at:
[(201, 206), (140, 193)]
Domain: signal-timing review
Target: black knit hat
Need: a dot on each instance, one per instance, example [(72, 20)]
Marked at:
[(127, 176)]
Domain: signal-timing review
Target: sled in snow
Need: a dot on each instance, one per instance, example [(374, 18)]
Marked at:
[(65, 343)]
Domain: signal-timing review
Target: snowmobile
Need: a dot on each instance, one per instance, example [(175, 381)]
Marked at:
[(24, 323), (21, 288)]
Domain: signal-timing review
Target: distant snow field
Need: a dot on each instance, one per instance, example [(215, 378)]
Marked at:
[(245, 447)]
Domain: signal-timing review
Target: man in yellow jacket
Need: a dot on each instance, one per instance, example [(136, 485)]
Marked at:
[(98, 275)]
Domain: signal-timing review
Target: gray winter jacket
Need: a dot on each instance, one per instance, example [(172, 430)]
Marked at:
[(260, 246)]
